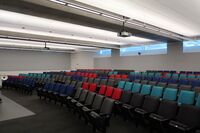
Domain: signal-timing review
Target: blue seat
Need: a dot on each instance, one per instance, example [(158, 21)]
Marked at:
[(121, 84), (184, 82), (186, 97), (170, 94), (172, 81), (56, 89), (128, 86), (164, 80), (157, 91), (136, 87), (146, 90), (195, 83)]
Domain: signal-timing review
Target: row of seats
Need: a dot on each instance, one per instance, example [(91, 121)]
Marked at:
[(92, 107), (24, 84)]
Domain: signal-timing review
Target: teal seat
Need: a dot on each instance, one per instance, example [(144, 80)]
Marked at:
[(109, 73), (170, 94), (157, 91), (121, 84), (157, 75), (132, 73), (175, 76), (128, 86), (198, 101), (183, 76), (191, 77), (168, 75), (146, 90), (186, 97), (136, 87), (115, 72)]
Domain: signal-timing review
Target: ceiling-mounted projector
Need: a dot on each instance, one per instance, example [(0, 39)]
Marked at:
[(124, 34)]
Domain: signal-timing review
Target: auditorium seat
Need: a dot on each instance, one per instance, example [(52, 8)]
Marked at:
[(198, 101), (88, 102), (100, 120), (102, 90), (185, 87), (93, 87), (78, 85), (145, 90), (186, 97), (96, 105), (166, 111), (157, 91), (109, 91), (128, 86), (136, 87), (117, 94), (150, 105), (90, 80), (97, 81), (85, 85), (121, 84), (111, 82), (76, 96), (187, 120), (128, 108), (170, 94)]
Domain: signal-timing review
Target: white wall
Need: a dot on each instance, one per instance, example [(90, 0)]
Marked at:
[(174, 60), (84, 60), (32, 61)]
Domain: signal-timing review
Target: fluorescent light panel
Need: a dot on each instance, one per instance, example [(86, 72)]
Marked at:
[(83, 9), (58, 2)]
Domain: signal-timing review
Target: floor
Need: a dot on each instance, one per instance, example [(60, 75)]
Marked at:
[(51, 118)]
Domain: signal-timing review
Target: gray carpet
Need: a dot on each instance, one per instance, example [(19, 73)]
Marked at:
[(51, 118)]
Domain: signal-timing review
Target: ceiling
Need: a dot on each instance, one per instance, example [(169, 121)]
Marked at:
[(48, 21)]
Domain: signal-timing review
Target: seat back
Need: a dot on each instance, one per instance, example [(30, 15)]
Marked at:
[(146, 89), (150, 104), (117, 94), (170, 94), (157, 91), (90, 98), (103, 82), (111, 82), (107, 106), (83, 96), (121, 84), (93, 87), (78, 85), (167, 109), (85, 86), (96, 105), (126, 96), (67, 82), (85, 79), (137, 100), (102, 90), (109, 91), (90, 80), (186, 97), (78, 93), (128, 86), (73, 83), (189, 115), (97, 81), (136, 87)]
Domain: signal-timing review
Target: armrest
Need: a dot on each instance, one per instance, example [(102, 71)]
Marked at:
[(180, 126), (118, 103), (127, 106), (158, 118), (140, 111)]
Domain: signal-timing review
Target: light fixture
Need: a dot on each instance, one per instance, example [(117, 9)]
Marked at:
[(112, 17), (58, 2), (83, 8)]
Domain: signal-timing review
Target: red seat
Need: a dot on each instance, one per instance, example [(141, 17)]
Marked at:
[(109, 91), (85, 86), (102, 90), (112, 76), (117, 94), (93, 87), (124, 76), (118, 76)]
